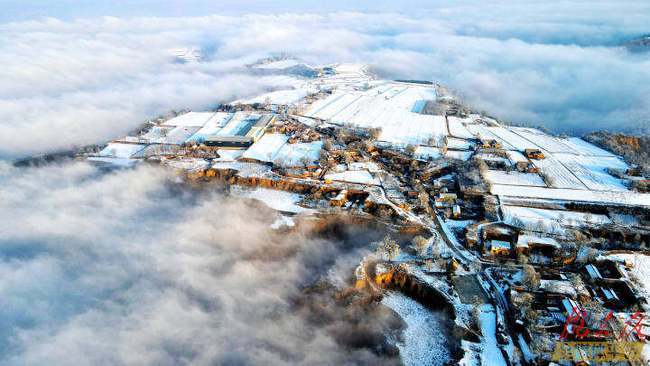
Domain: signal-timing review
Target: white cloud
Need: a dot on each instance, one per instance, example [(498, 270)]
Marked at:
[(130, 267), (76, 82)]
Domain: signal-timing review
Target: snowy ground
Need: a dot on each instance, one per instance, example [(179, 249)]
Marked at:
[(281, 97), (553, 220), (514, 178), (388, 106), (424, 342), (615, 197), (277, 200), (487, 353)]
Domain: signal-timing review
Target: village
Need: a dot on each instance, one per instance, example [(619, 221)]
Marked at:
[(524, 234)]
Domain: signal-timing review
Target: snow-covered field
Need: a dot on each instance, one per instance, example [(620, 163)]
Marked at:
[(281, 97), (424, 342), (623, 198), (591, 171), (457, 127), (387, 106), (530, 217), (512, 139), (277, 200), (514, 178)]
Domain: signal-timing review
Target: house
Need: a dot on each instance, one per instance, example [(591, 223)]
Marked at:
[(634, 171), (534, 154), (593, 272), (499, 248), (561, 287), (526, 167), (257, 130), (571, 307), (471, 236), (340, 199), (229, 142), (455, 211), (609, 296), (490, 144), (527, 243)]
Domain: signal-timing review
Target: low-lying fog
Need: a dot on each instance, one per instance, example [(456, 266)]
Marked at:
[(133, 267)]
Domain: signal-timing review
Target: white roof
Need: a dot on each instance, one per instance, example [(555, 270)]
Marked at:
[(526, 240), (353, 176), (558, 287), (266, 148), (292, 155)]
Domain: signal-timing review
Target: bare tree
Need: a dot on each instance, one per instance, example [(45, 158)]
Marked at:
[(388, 248)]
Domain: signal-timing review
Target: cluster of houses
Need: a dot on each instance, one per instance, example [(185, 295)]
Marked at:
[(586, 303)]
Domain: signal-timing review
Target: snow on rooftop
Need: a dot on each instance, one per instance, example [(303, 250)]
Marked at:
[(239, 124), (427, 153), (212, 126), (458, 155), (296, 155), (563, 287), (266, 148), (243, 169), (458, 144), (353, 176), (526, 240), (516, 156), (229, 155), (179, 134), (194, 119), (370, 166), (639, 273)]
